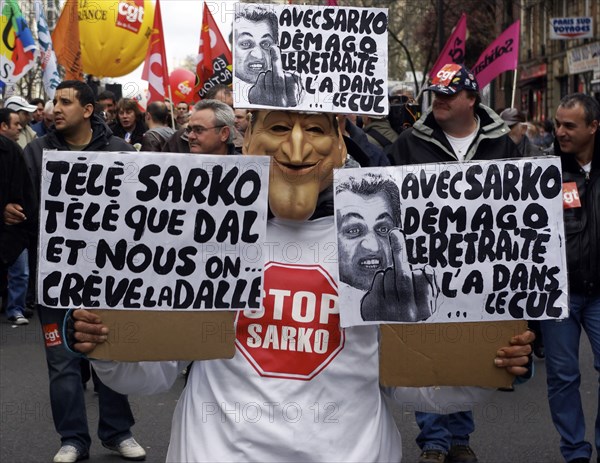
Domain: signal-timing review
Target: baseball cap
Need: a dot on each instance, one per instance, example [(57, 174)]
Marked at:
[(18, 103), (453, 78), (512, 116)]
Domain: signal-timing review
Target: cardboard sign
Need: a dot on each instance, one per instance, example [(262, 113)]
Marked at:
[(152, 231), (136, 335), (445, 354), (310, 58), (455, 242)]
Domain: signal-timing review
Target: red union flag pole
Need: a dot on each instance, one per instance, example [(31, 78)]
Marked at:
[(454, 50), (155, 67), (214, 57), (502, 55)]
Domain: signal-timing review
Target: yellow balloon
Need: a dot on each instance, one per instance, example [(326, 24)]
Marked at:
[(114, 35)]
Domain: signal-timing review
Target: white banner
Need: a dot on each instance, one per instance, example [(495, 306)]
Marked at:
[(310, 58), (572, 28), (154, 231), (455, 242), (584, 58)]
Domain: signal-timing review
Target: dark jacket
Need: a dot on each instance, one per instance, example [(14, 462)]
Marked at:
[(136, 136), (380, 132), (154, 139), (376, 155), (15, 187), (582, 224), (102, 140), (528, 149), (425, 142), (178, 143)]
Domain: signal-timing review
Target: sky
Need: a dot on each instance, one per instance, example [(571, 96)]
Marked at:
[(182, 20)]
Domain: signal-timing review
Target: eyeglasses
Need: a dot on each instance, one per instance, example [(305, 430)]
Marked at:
[(199, 130)]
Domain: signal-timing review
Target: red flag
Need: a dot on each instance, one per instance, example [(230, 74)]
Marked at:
[(214, 57), (66, 41), (331, 3), (155, 67), (502, 55), (454, 50)]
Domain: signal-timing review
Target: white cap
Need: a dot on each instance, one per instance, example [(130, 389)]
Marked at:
[(18, 103)]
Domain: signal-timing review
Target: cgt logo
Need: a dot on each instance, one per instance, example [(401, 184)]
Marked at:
[(570, 195), (131, 15), (297, 333), (52, 335)]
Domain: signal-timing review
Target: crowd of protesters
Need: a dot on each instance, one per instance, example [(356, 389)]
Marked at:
[(212, 127)]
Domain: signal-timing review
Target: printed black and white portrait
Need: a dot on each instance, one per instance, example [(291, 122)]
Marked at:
[(310, 58), (372, 253), (257, 59)]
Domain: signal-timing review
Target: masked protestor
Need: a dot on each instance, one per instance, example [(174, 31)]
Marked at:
[(300, 387)]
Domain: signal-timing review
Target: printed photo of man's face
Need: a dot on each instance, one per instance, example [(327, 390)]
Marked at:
[(253, 42), (364, 223)]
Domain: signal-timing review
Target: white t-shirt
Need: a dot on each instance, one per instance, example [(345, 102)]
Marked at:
[(460, 146), (300, 387)]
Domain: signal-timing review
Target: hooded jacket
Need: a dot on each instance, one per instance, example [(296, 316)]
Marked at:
[(102, 140), (426, 142), (582, 224)]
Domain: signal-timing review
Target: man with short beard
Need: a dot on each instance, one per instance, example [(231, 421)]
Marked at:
[(78, 128)]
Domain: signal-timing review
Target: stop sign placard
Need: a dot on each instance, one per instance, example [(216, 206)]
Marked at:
[(297, 331)]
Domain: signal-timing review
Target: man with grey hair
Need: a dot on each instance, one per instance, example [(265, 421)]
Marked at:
[(211, 128), (577, 142)]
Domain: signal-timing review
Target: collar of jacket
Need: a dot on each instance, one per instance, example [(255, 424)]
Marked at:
[(490, 126), (568, 161), (101, 134)]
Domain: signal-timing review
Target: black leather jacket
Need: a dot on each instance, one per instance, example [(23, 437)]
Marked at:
[(582, 224)]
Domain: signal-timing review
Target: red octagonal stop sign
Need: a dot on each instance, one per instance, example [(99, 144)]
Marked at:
[(297, 333)]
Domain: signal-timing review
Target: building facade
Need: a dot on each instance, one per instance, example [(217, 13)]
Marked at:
[(559, 53)]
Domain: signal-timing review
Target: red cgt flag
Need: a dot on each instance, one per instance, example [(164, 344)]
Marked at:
[(155, 67), (454, 50), (214, 57)]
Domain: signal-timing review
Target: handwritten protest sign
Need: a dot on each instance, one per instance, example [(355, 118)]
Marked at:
[(455, 242), (311, 58), (152, 230)]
